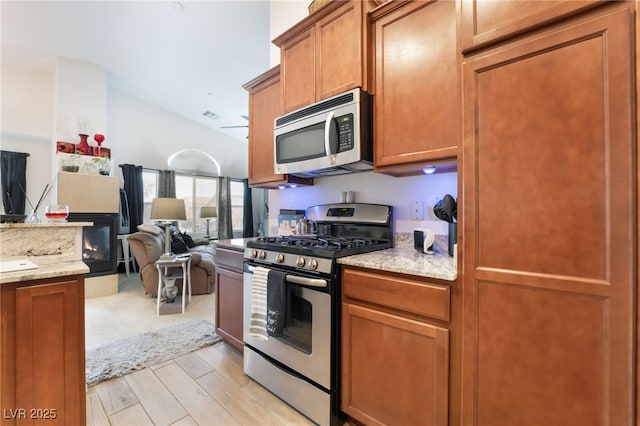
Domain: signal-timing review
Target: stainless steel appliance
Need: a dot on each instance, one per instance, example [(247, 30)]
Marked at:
[(301, 366), (331, 137)]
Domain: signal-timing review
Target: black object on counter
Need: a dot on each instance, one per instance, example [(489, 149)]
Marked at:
[(453, 236)]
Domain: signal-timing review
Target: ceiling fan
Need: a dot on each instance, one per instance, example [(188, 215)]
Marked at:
[(236, 127)]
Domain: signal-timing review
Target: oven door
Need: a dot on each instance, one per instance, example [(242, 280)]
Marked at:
[(305, 344)]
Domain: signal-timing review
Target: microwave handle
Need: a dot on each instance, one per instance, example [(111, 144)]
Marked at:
[(329, 132)]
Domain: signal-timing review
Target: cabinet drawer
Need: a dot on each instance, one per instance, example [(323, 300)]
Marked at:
[(404, 293), (230, 259)]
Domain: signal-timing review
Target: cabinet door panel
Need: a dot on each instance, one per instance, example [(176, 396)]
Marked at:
[(417, 102), (50, 365), (298, 68), (485, 21), (339, 52), (264, 106), (548, 207), (394, 370), (229, 307)]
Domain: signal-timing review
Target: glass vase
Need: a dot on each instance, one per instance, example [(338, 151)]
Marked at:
[(83, 146), (33, 218)]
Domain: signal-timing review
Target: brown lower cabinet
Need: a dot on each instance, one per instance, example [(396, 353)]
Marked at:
[(395, 349), (42, 361), (229, 296)]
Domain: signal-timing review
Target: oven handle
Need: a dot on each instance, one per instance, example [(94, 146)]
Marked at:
[(311, 282)]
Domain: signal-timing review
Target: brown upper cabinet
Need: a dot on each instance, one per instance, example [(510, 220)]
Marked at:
[(264, 106), (325, 54), (485, 22), (417, 86)]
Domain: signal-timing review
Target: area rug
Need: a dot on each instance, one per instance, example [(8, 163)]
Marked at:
[(123, 356)]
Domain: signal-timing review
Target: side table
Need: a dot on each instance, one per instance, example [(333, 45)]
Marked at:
[(167, 269)]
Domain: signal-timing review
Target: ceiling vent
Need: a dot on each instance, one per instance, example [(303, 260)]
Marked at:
[(210, 115)]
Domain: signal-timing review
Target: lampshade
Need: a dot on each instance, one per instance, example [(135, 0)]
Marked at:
[(168, 209), (208, 212)]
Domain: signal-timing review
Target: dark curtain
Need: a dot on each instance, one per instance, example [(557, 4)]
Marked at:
[(166, 184), (225, 229), (13, 171), (247, 214), (135, 195)]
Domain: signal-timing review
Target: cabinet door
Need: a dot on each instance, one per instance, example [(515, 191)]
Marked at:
[(49, 345), (264, 107), (229, 307), (298, 67), (417, 102), (548, 201), (394, 370), (484, 22), (339, 51)]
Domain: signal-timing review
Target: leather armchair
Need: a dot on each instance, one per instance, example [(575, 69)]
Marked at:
[(147, 247)]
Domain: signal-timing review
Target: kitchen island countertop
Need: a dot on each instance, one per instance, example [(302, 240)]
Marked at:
[(238, 244)]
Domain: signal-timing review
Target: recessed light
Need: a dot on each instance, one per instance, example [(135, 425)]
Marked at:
[(429, 170), (210, 115), (176, 5)]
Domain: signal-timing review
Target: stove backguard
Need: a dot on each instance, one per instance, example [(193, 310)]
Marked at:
[(99, 242)]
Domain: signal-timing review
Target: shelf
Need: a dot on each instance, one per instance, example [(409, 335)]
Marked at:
[(86, 164)]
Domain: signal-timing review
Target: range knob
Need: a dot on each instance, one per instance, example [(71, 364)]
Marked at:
[(300, 261), (262, 255), (313, 264), (280, 258), (253, 253)]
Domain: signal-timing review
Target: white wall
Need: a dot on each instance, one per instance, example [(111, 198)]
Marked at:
[(284, 14), (143, 134), (374, 188), (80, 102), (39, 108), (27, 123)]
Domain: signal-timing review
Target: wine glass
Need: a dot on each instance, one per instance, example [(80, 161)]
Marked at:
[(57, 212)]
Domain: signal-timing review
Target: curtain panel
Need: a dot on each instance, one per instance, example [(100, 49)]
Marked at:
[(166, 184), (13, 174), (133, 187), (247, 214), (225, 228)]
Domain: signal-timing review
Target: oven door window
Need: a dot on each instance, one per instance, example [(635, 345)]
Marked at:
[(298, 323)]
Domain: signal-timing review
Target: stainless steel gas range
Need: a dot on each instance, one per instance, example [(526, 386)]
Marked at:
[(301, 363)]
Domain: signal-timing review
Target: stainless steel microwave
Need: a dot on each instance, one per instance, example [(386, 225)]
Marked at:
[(330, 137)]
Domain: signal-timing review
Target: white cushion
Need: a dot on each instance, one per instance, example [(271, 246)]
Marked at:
[(150, 228)]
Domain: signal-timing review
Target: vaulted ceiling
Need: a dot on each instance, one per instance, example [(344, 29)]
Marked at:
[(187, 57)]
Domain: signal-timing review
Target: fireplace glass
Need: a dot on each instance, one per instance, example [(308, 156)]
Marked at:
[(99, 242)]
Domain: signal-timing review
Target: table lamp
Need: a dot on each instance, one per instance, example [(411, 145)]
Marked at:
[(208, 212), (167, 210)]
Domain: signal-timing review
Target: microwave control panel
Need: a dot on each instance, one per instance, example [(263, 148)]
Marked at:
[(345, 132)]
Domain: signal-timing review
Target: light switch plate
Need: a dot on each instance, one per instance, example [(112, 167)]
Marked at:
[(417, 210)]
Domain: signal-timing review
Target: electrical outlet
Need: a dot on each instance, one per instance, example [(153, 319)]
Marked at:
[(417, 210)]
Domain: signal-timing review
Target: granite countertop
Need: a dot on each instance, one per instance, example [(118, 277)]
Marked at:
[(39, 251), (405, 259), (238, 244), (44, 270)]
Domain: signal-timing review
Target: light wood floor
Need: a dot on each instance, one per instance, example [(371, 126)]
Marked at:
[(207, 387)]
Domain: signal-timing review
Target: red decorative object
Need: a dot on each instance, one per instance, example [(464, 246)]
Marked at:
[(99, 139), (83, 146)]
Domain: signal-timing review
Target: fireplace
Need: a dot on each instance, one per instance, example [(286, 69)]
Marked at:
[(99, 242)]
